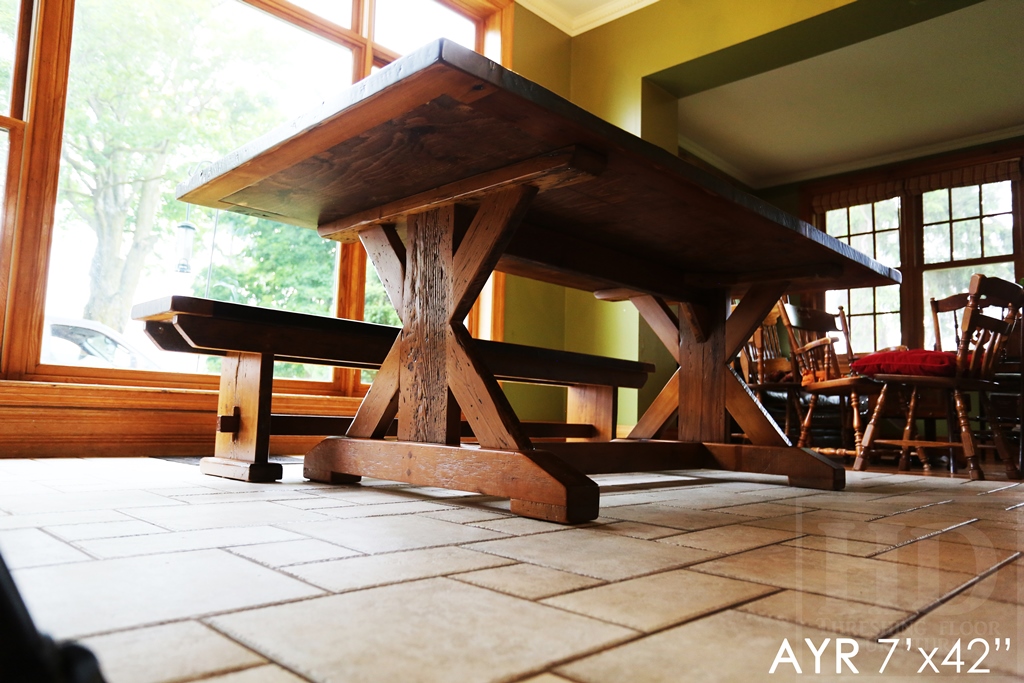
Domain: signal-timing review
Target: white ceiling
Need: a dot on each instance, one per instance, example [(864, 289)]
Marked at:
[(577, 16), (942, 84)]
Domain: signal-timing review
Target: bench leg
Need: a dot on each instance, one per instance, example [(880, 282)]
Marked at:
[(596, 405), (242, 448)]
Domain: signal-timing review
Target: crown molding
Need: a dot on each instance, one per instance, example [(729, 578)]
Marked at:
[(574, 25)]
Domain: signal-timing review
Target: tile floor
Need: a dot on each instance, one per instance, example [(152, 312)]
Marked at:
[(169, 575)]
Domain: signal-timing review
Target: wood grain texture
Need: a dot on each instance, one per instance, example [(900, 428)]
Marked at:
[(478, 394), (664, 406), (542, 483), (805, 468), (554, 169), (246, 380), (702, 376), (490, 232), (380, 405), (594, 405), (423, 411), (662, 320), (752, 309), (387, 254), (750, 415)]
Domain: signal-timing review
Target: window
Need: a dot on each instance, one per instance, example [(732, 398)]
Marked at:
[(873, 313), (939, 222), (185, 82)]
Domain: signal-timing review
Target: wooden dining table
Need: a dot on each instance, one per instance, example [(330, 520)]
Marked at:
[(446, 167)]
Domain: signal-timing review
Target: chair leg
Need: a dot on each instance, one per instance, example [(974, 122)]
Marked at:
[(967, 438), (861, 463), (858, 434), (909, 430), (999, 437), (805, 428)]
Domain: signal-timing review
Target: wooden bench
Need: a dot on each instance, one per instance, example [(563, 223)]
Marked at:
[(251, 338)]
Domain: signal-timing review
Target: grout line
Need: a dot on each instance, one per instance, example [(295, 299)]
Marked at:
[(922, 538), (896, 628), (903, 512), (1002, 488), (1014, 507)]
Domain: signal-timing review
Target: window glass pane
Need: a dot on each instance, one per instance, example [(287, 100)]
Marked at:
[(938, 284), (887, 214), (887, 248), (337, 11), (888, 331), (966, 239), (836, 224), (936, 243), (837, 297), (965, 201), (936, 206), (996, 197), (862, 333), (860, 219), (864, 243), (404, 25), (185, 82), (998, 232), (862, 300), (887, 299), (8, 34)]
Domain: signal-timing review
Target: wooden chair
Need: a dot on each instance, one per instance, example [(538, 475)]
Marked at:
[(824, 372), (768, 369), (971, 369)]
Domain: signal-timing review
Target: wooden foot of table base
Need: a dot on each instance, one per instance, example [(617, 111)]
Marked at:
[(243, 470), (539, 484), (804, 467)]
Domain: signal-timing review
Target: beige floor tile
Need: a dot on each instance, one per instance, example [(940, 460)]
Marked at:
[(85, 532), (730, 539), (84, 598), (634, 529), (528, 581), (285, 553), (315, 503), (956, 557), (858, 579), (758, 510), (728, 647), (519, 526), (382, 509), (833, 615), (968, 617), (378, 570), (427, 631), (29, 504), (176, 541), (34, 548), (1005, 585), (42, 519), (545, 678), (465, 515), (390, 534), (213, 497), (844, 546), (592, 553), (171, 652), (654, 602), (259, 674), (987, 535), (216, 515), (828, 524), (672, 516)]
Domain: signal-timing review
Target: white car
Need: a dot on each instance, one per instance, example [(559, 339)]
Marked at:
[(76, 341)]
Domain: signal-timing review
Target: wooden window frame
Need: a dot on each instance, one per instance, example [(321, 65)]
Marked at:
[(912, 305)]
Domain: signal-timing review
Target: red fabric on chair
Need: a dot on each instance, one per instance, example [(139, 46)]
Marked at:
[(912, 362)]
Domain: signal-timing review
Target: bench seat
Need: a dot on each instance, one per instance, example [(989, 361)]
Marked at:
[(251, 338)]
